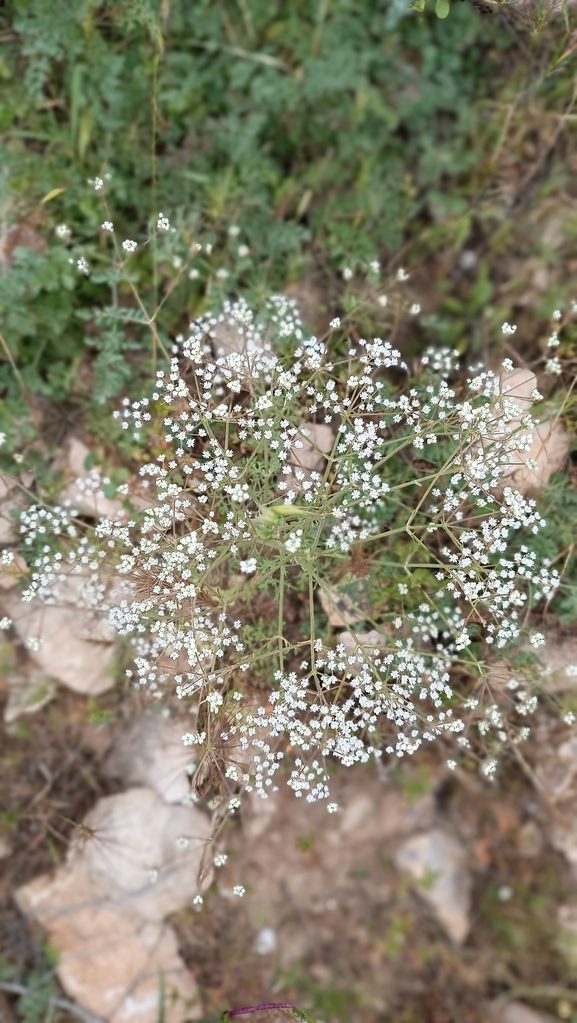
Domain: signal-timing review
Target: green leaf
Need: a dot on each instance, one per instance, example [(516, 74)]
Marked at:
[(442, 8)]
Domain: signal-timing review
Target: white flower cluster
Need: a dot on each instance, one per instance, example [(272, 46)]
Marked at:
[(246, 486)]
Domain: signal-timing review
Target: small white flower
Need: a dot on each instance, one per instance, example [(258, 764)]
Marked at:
[(162, 224), (249, 566), (335, 323), (182, 842), (98, 184), (128, 245), (375, 266), (63, 231), (294, 541), (507, 365), (415, 309), (220, 859), (107, 225), (198, 900), (333, 807), (556, 315), (222, 274), (569, 717), (239, 492), (5, 623), (239, 890), (193, 274), (82, 265), (505, 893), (347, 273), (402, 275), (553, 366), (234, 230), (537, 639), (243, 251), (508, 328), (451, 764), (383, 300)]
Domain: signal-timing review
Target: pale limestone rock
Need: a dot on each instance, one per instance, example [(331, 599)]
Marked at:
[(519, 384), (12, 573), (228, 337), (84, 489), (150, 752), (110, 959), (144, 854), (559, 660), (67, 651), (557, 774), (397, 817), (436, 860), (518, 1012), (370, 643), (550, 442), (309, 447), (346, 603), (27, 693), (310, 301), (555, 668), (563, 836)]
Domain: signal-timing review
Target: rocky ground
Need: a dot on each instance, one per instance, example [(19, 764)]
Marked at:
[(429, 895)]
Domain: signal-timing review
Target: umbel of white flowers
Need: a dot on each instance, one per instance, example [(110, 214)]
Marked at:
[(232, 500)]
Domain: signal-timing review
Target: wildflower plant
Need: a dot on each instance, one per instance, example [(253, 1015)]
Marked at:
[(290, 507)]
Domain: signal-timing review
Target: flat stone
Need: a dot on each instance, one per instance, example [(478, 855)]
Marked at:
[(66, 651), (436, 860), (370, 643), (150, 752), (310, 446), (143, 853), (518, 1012), (84, 486), (559, 664), (550, 441), (110, 960), (12, 573), (27, 693)]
